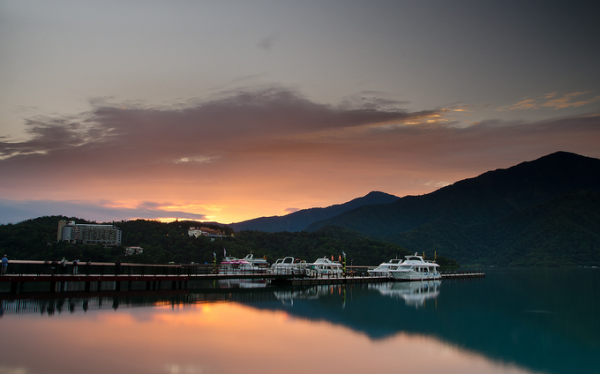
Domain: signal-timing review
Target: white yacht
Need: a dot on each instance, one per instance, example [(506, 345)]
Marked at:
[(233, 265), (415, 268), (257, 263), (324, 267), (288, 265), (383, 270)]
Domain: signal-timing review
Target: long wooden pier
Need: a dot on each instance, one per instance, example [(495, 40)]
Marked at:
[(104, 277)]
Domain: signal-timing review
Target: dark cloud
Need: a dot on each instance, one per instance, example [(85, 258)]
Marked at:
[(204, 129), (131, 139), (17, 211)]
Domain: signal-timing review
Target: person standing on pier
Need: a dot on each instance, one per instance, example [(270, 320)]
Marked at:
[(75, 262), (4, 264), (63, 266)]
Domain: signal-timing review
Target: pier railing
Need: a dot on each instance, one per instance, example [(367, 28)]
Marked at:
[(26, 267), (462, 274), (21, 267)]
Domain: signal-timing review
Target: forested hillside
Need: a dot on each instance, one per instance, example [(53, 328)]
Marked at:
[(169, 242), (562, 232)]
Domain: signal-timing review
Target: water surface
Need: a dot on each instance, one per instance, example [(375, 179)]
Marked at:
[(513, 321)]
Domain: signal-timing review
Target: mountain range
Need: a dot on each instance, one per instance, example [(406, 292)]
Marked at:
[(544, 212), (299, 220)]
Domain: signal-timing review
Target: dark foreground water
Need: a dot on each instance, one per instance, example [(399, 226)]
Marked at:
[(513, 321)]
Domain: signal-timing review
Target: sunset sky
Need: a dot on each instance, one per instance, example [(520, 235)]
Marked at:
[(232, 110)]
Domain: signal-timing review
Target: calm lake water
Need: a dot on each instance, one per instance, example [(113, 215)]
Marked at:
[(512, 321)]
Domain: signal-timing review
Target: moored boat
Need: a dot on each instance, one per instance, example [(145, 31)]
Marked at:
[(324, 267), (383, 270), (415, 268), (260, 264), (288, 265), (233, 265)]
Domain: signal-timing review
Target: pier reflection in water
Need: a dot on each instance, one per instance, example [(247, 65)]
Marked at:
[(505, 323)]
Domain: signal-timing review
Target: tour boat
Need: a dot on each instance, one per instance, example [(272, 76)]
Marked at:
[(258, 263), (233, 265), (288, 265), (324, 267), (415, 268), (383, 270)]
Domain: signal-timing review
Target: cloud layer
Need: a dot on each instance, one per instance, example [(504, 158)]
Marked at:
[(259, 152)]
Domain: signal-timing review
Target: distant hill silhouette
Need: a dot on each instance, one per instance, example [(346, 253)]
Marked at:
[(543, 212), (299, 220)]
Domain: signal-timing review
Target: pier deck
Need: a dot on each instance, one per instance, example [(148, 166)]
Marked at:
[(128, 277), (463, 275)]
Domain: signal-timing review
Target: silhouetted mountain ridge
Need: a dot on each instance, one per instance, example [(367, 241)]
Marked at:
[(485, 198), (298, 221)]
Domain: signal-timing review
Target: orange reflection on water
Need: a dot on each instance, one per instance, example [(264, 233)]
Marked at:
[(217, 338)]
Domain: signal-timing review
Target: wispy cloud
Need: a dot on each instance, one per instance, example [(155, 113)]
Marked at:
[(549, 100), (214, 127), (567, 101), (195, 159)]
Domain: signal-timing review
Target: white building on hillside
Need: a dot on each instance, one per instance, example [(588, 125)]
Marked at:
[(205, 231), (107, 235)]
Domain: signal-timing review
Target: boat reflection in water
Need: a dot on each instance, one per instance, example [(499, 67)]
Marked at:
[(242, 283), (414, 293), (287, 296)]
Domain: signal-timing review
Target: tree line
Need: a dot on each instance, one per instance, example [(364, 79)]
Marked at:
[(162, 243)]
